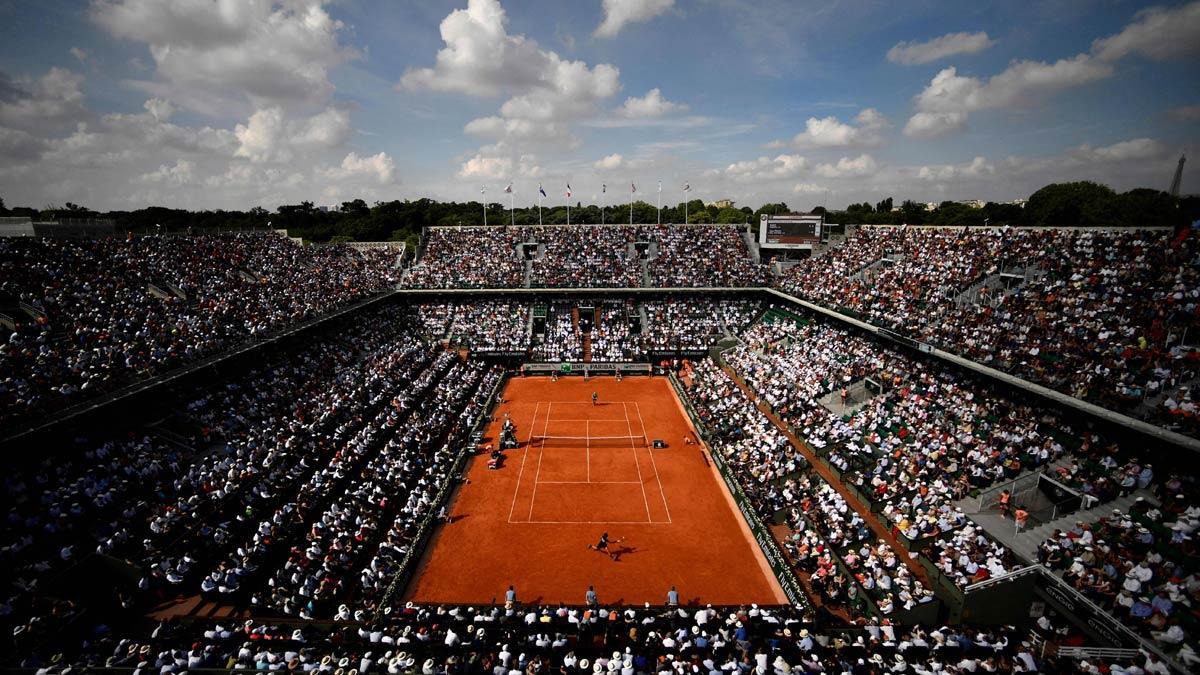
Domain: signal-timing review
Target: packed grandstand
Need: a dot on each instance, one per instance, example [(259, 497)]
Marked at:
[(956, 450)]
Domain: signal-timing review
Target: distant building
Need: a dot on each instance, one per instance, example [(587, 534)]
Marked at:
[(722, 204), (931, 206), (973, 203)]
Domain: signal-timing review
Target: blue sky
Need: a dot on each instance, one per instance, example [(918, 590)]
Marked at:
[(236, 103)]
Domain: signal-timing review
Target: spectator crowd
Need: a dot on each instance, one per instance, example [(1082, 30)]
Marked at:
[(93, 315)]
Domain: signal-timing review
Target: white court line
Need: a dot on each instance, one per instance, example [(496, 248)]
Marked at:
[(652, 462), (589, 482), (585, 420), (637, 462), (524, 457), (587, 429), (589, 522), (541, 451)]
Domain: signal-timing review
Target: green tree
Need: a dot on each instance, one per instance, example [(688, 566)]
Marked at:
[(912, 213), (730, 216), (355, 207), (1003, 214), (1082, 203), (1147, 207)]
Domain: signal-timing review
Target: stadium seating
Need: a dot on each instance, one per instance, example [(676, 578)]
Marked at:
[(585, 256), (707, 640), (101, 313), (296, 496), (1100, 315)]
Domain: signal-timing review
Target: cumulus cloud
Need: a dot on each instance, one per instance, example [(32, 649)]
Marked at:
[(153, 129), (178, 174), (1137, 148), (830, 132), (976, 167), (19, 145), (951, 44), (863, 165), (608, 163), (269, 137), (486, 167), (379, 168), (546, 92), (943, 106), (933, 125), (651, 105), (54, 99), (621, 13), (808, 188), (208, 53), (1158, 33), (529, 168), (767, 168)]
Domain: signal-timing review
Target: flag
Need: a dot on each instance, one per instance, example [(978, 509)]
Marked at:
[(632, 188), (660, 186), (687, 187), (508, 188), (568, 190), (541, 190), (483, 190), (604, 187)]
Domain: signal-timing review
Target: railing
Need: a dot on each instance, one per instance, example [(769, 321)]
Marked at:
[(1106, 653), (1074, 501), (1101, 616), (1003, 578), (990, 497), (586, 369), (30, 309)]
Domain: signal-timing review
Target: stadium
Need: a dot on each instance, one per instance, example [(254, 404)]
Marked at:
[(471, 435), (435, 445)]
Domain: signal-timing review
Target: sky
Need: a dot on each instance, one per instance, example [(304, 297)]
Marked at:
[(207, 104)]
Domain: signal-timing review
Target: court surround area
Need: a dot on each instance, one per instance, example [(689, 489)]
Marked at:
[(582, 470)]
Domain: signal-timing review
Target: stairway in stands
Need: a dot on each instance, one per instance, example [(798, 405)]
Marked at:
[(1026, 542), (587, 347)]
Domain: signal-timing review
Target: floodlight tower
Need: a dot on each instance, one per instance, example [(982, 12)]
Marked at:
[(1178, 176)]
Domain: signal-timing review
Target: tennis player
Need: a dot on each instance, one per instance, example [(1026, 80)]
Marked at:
[(595, 395), (603, 546)]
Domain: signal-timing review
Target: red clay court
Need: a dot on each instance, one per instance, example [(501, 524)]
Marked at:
[(582, 470)]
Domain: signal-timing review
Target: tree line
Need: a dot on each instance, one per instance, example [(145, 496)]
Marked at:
[(1059, 204)]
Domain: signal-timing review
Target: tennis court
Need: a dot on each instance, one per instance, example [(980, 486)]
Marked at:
[(582, 470), (588, 463)]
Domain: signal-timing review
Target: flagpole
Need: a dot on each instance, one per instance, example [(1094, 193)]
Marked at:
[(539, 209), (659, 216), (603, 196), (631, 203), (483, 191), (512, 196)]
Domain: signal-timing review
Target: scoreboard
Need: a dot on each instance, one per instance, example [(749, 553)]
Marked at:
[(794, 230)]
